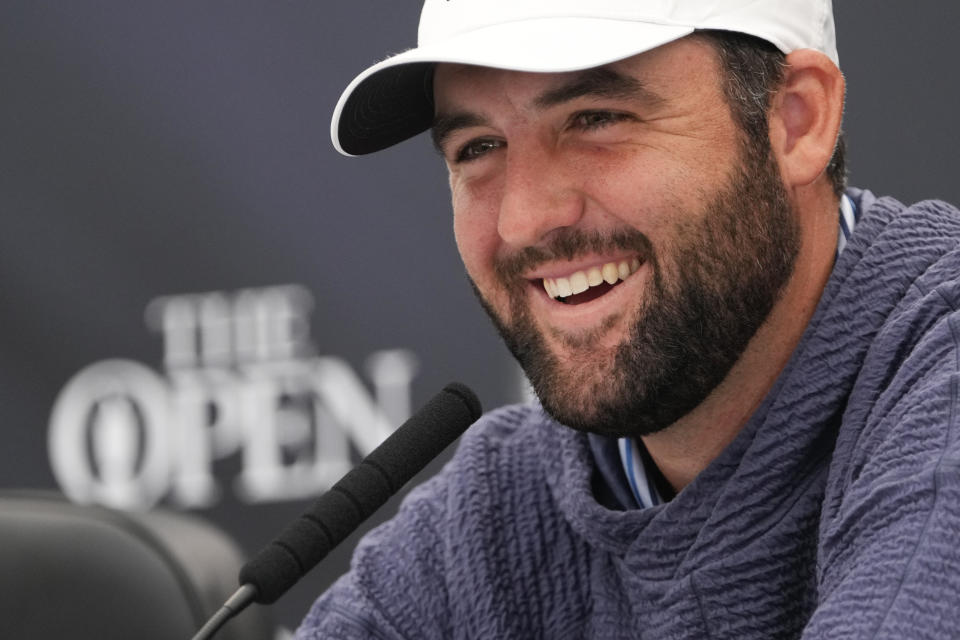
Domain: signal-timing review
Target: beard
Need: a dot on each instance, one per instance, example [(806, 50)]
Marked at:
[(706, 297)]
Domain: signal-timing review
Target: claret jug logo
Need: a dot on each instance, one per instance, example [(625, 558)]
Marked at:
[(241, 380)]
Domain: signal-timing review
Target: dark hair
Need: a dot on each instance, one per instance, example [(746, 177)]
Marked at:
[(754, 73)]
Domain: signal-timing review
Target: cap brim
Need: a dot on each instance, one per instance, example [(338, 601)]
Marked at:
[(393, 100)]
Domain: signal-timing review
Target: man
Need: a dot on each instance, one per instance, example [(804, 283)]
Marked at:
[(746, 422)]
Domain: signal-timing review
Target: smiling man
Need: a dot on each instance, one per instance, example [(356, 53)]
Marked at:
[(629, 240), (746, 373)]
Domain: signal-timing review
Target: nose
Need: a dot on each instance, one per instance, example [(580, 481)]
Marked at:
[(539, 196)]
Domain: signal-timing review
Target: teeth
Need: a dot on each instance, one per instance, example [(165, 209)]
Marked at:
[(610, 273), (595, 277), (551, 287), (580, 281)]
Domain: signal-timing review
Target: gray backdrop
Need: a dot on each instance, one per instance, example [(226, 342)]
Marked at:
[(153, 149)]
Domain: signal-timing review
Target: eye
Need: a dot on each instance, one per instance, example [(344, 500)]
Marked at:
[(477, 148), (588, 120)]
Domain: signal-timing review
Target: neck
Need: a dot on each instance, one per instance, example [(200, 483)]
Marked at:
[(685, 448)]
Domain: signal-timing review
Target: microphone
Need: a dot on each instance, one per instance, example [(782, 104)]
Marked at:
[(335, 514)]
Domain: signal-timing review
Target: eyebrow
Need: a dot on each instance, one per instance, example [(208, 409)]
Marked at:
[(599, 82), (446, 124)]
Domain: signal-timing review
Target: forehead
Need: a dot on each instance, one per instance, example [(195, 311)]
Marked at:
[(688, 65)]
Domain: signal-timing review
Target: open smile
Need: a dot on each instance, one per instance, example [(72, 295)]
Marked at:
[(588, 284)]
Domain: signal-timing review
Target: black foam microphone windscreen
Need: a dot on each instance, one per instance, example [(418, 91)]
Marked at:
[(361, 492)]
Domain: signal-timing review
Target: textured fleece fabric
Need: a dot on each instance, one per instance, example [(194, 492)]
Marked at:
[(835, 513)]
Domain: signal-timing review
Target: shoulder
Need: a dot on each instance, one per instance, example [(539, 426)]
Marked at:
[(907, 239), (454, 541), (495, 466), (901, 294), (518, 430), (906, 273), (502, 460), (894, 289), (892, 501), (899, 434)]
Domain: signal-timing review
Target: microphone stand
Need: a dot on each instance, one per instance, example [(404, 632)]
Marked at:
[(350, 501), (236, 603)]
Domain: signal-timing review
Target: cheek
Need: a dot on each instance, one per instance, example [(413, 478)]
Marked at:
[(655, 191), (642, 200), (475, 231)]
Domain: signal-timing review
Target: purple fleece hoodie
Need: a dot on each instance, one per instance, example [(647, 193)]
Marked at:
[(835, 513)]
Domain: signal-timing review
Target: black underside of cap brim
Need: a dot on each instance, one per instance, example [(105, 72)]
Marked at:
[(390, 106)]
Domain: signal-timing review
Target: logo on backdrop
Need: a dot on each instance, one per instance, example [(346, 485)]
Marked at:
[(241, 378)]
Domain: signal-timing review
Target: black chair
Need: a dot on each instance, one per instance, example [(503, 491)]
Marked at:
[(83, 572)]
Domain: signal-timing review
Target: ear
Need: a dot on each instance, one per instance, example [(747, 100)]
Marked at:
[(805, 116)]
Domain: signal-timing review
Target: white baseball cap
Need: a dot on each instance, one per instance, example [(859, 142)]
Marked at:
[(393, 100)]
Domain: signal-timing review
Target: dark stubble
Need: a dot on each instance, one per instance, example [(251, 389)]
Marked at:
[(707, 296)]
